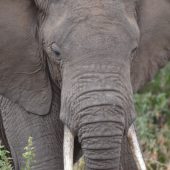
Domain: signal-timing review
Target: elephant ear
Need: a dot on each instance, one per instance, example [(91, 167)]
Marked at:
[(23, 77), (154, 47)]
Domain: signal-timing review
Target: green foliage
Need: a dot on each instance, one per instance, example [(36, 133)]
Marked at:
[(153, 121), (80, 165), (5, 161), (29, 155)]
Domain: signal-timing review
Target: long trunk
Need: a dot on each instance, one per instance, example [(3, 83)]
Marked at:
[(101, 139), (96, 105)]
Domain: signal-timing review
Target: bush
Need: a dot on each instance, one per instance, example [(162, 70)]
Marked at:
[(153, 121), (5, 161), (28, 155), (80, 165)]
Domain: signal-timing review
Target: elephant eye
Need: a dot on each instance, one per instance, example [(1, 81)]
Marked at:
[(133, 53), (56, 50)]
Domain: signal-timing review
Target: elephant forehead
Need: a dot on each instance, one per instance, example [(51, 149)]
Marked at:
[(110, 10), (83, 4)]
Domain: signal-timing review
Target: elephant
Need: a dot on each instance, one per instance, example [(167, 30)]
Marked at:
[(68, 70)]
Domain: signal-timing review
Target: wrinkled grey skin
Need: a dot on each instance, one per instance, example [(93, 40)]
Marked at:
[(90, 56)]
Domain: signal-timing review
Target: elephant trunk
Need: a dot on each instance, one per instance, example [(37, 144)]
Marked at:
[(101, 138), (96, 106), (69, 147)]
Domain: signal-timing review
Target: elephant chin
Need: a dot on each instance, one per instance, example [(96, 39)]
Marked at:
[(68, 148)]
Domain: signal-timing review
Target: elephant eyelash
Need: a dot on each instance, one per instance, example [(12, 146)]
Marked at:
[(133, 53), (57, 53), (42, 5), (56, 50)]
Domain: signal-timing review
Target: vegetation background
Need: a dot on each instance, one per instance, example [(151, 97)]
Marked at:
[(153, 126)]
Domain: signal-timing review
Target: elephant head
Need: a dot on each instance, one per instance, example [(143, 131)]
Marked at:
[(98, 52), (106, 50), (94, 43)]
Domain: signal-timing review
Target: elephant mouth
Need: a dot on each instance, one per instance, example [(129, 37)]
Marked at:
[(68, 149)]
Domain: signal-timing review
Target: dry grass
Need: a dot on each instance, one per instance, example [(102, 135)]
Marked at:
[(79, 165)]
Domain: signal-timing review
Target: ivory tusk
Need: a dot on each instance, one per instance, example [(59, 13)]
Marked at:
[(68, 149), (136, 151)]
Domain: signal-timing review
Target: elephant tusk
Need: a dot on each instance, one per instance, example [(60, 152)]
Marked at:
[(134, 144), (68, 149)]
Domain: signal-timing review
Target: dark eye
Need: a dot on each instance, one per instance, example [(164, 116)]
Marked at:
[(55, 49), (133, 53)]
